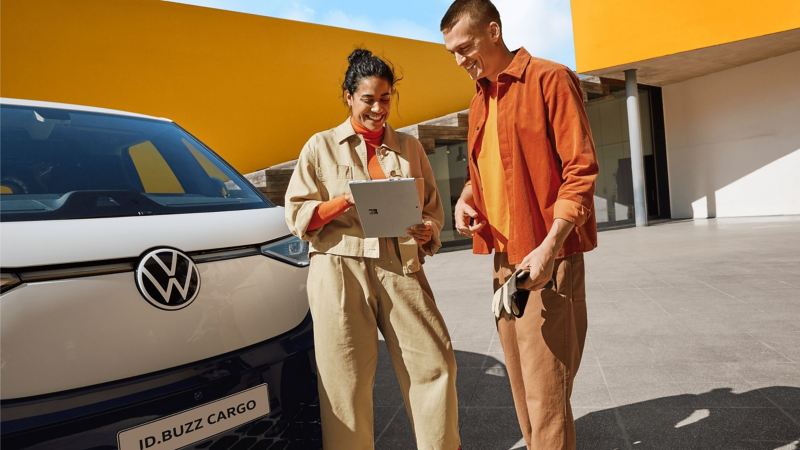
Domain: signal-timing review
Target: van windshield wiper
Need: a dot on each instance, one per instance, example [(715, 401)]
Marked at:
[(101, 203)]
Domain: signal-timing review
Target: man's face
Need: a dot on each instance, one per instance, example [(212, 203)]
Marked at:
[(473, 45)]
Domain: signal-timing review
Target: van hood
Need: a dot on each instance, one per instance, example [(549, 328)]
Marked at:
[(49, 242)]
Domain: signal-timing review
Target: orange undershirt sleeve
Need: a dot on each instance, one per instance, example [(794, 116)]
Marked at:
[(327, 211)]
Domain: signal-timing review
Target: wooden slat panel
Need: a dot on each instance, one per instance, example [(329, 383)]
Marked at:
[(442, 133)]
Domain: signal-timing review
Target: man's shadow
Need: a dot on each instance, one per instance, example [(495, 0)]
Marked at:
[(766, 418)]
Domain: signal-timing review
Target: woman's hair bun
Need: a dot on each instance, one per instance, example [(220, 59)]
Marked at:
[(361, 64), (358, 55)]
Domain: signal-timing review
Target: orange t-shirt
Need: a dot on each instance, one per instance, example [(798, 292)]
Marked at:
[(490, 167), (331, 209)]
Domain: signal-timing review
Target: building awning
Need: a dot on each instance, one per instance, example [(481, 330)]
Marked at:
[(682, 66)]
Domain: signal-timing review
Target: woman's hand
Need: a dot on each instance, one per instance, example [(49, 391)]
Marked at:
[(348, 197), (422, 232)]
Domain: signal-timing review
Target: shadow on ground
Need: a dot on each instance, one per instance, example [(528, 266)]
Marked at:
[(719, 419), (758, 419)]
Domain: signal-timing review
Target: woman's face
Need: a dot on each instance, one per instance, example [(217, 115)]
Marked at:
[(370, 103)]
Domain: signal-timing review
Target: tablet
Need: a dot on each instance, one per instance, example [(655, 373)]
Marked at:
[(387, 207)]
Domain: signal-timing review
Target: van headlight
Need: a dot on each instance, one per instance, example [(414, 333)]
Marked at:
[(290, 249), (8, 281)]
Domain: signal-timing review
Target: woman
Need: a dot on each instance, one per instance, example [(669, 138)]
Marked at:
[(357, 285)]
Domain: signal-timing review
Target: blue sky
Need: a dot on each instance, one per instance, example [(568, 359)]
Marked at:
[(544, 27)]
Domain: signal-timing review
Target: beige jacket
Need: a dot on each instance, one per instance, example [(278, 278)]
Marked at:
[(328, 161)]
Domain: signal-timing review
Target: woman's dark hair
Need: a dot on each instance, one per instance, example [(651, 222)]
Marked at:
[(363, 64)]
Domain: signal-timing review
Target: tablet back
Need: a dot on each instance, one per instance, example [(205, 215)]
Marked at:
[(386, 207)]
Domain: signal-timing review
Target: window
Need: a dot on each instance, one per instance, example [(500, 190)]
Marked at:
[(64, 164), (154, 173)]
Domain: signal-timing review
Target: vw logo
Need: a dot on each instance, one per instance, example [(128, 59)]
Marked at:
[(168, 278)]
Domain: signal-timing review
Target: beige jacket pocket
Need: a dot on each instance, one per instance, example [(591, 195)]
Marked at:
[(335, 178)]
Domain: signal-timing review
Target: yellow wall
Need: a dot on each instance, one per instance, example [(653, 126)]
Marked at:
[(253, 88), (609, 33)]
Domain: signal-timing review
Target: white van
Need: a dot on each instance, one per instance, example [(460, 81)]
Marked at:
[(151, 298)]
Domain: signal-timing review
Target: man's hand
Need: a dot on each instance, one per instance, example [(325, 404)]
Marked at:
[(465, 211), (422, 232), (541, 261)]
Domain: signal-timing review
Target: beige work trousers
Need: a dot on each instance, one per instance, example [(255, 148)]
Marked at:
[(542, 352), (351, 298)]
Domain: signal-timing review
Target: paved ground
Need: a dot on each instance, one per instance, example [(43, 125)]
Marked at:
[(693, 342)]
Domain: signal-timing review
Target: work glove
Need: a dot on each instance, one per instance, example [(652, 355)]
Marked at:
[(503, 299), (512, 297)]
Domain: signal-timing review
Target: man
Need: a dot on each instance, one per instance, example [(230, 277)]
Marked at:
[(532, 168)]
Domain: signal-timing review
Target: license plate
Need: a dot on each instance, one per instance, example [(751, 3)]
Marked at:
[(198, 423)]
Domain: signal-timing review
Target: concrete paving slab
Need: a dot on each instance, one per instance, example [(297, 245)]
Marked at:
[(693, 342)]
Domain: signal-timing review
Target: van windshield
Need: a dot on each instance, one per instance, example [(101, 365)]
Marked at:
[(66, 164)]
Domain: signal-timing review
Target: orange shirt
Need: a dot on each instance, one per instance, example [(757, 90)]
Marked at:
[(547, 154), (373, 139), (329, 210), (490, 167)]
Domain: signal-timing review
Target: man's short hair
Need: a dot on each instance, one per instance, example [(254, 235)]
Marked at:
[(482, 12)]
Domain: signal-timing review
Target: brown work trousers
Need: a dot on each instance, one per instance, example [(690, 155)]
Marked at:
[(543, 350), (351, 298)]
